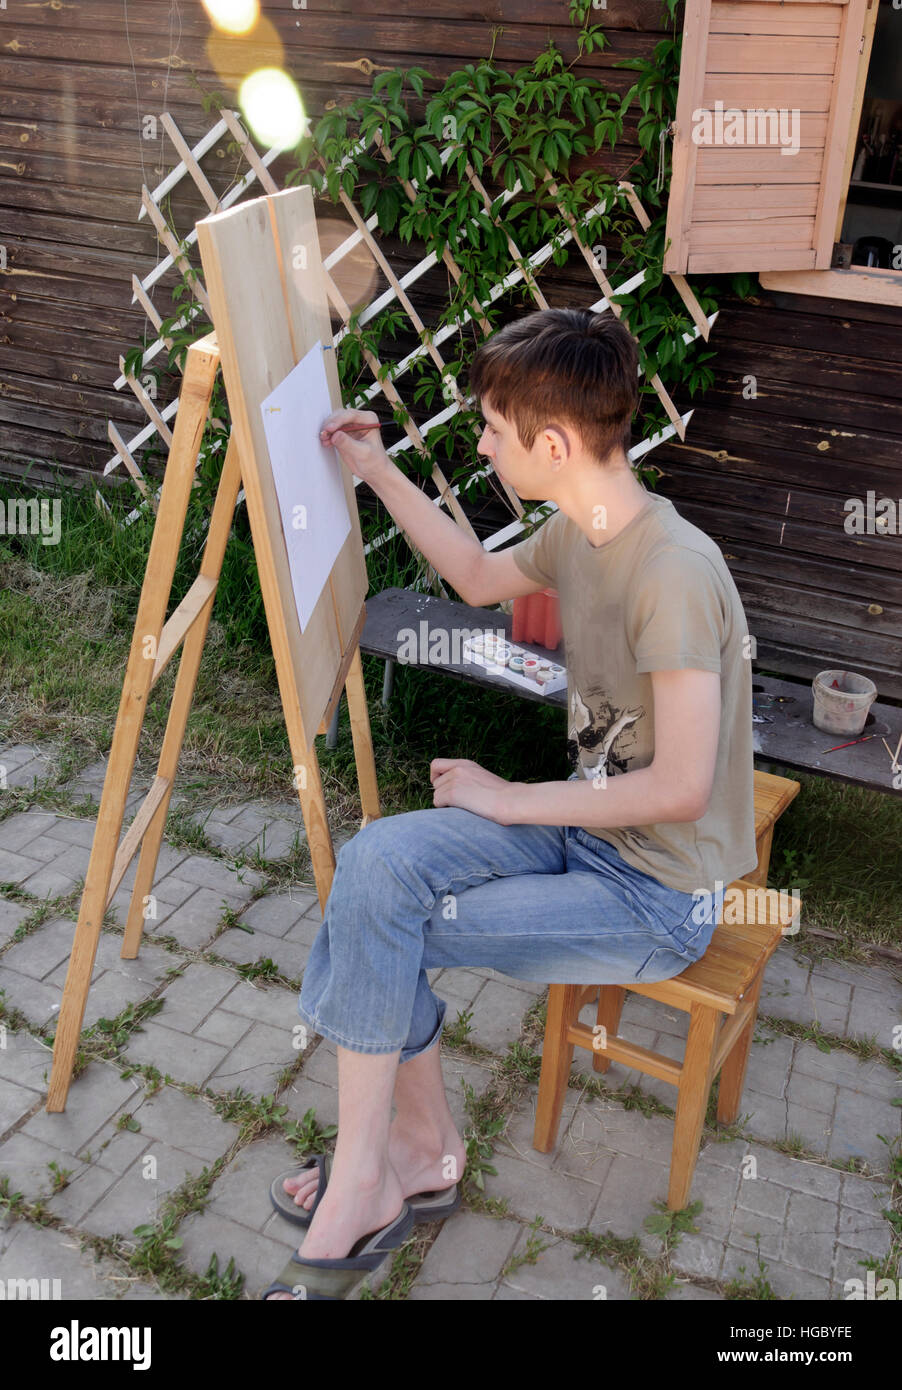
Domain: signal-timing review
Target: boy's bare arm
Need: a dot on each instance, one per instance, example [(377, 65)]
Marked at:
[(676, 785), (478, 577)]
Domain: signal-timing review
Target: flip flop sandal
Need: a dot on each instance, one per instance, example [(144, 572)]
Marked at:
[(426, 1206), (331, 1281)]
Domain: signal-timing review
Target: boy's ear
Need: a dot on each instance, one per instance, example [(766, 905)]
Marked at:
[(558, 435)]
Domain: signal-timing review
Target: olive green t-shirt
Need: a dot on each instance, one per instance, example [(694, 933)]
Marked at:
[(656, 597)]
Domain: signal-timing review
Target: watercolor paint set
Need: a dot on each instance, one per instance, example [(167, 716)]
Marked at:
[(515, 664)]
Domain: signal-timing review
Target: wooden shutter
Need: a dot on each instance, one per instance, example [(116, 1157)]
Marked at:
[(747, 206)]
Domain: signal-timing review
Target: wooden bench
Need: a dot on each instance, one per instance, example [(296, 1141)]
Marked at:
[(719, 992), (785, 736)]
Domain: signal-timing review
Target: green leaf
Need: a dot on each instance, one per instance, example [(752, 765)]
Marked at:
[(368, 198), (433, 159)]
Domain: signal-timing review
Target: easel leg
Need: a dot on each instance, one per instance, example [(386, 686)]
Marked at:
[(185, 685), (197, 387), (309, 786), (332, 731), (363, 740)]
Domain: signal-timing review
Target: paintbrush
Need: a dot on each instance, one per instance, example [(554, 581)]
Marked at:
[(357, 429), (849, 744)]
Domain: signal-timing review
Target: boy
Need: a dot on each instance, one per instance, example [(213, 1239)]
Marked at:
[(596, 879)]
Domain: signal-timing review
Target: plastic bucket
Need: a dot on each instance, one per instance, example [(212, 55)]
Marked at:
[(841, 701)]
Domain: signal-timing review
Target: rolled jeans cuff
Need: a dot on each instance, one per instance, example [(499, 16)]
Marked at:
[(407, 1049)]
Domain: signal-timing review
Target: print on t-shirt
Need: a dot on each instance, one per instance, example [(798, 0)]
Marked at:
[(601, 735), (602, 739)]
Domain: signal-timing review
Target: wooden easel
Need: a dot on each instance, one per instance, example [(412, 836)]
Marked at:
[(269, 307)]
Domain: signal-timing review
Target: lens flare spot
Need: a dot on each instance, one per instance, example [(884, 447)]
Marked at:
[(272, 107), (234, 16)]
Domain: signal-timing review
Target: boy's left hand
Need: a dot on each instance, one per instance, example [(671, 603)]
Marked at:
[(461, 782)]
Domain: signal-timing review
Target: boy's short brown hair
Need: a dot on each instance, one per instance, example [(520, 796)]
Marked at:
[(565, 366)]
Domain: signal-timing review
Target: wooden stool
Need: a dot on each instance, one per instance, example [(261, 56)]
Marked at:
[(725, 982)]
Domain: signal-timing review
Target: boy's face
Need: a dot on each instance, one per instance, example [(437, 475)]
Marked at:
[(518, 467)]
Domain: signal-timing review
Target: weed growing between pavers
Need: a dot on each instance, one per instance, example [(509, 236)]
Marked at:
[(106, 1038), (457, 1033), (650, 1277), (309, 1136), (534, 1247), (63, 905), (757, 1288), (59, 1176), (12, 1019), (865, 1049)]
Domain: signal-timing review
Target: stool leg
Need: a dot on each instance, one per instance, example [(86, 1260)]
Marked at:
[(557, 1054), (695, 1086), (759, 874), (610, 1007), (732, 1073)]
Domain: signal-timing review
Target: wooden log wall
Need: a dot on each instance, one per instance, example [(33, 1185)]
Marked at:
[(80, 77), (766, 475)]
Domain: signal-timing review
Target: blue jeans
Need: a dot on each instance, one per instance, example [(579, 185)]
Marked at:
[(446, 887)]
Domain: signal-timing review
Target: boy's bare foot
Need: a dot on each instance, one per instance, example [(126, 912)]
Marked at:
[(421, 1166)]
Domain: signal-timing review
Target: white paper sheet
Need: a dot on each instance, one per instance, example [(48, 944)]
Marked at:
[(308, 479)]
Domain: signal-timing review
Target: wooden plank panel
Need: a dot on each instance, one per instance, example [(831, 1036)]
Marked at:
[(820, 583), (831, 418), (808, 130), (154, 16), (723, 262), (776, 231), (753, 17), (809, 367), (776, 502), (782, 422), (801, 537), (117, 322), (861, 651), (753, 90), (717, 164), (335, 43), (805, 132), (18, 389), (792, 601), (697, 469), (60, 229), (754, 201), (859, 340), (31, 443), (796, 57)]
